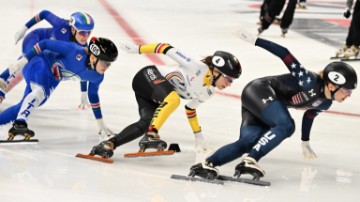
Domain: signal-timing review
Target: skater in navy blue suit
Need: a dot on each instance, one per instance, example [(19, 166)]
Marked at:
[(266, 121)]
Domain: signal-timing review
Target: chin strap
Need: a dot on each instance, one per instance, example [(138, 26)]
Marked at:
[(72, 37), (332, 93), (94, 64), (215, 79)]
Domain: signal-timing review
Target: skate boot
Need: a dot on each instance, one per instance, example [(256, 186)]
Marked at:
[(341, 51), (302, 5), (104, 149), (284, 31), (260, 30), (20, 128), (204, 170), (277, 21), (152, 140), (249, 166), (353, 51)]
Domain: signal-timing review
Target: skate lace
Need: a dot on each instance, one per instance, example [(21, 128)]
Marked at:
[(153, 136), (108, 145)]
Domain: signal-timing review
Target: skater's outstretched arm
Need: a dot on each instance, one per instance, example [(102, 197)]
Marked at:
[(44, 14), (304, 78), (166, 49)]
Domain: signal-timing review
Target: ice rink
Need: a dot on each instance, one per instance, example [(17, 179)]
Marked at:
[(49, 171)]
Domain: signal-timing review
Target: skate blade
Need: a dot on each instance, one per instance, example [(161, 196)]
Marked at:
[(88, 156), (349, 59), (244, 180), (20, 141), (196, 179), (145, 154), (335, 58)]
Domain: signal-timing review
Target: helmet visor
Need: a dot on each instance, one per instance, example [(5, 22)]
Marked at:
[(346, 91), (105, 63), (228, 78), (83, 32)]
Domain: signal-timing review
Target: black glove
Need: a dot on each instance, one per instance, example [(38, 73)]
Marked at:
[(347, 13)]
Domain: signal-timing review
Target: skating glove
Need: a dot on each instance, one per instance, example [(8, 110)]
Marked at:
[(20, 34), (201, 145), (104, 132), (84, 101), (347, 13), (18, 65), (130, 48), (246, 36), (2, 96), (308, 153)]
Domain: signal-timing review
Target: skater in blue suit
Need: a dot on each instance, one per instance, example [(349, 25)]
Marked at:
[(50, 62), (76, 29)]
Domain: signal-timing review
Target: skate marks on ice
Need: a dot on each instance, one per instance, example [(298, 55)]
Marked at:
[(93, 157), (221, 179)]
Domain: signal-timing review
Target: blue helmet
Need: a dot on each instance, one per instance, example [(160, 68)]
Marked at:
[(82, 21)]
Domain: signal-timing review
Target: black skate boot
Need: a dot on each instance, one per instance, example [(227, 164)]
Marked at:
[(20, 128), (104, 149), (260, 30), (204, 170), (277, 21), (284, 31), (249, 166), (152, 140)]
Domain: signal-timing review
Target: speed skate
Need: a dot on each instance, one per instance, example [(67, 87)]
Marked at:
[(20, 141), (26, 139), (344, 59), (144, 154), (160, 152), (93, 157), (221, 179)]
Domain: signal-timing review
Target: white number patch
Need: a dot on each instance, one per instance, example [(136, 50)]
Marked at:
[(337, 78), (95, 49), (218, 61)]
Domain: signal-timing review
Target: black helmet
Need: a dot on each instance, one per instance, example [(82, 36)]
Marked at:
[(103, 48), (340, 74), (227, 64)]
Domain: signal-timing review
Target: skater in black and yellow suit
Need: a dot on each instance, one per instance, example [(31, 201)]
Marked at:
[(158, 92)]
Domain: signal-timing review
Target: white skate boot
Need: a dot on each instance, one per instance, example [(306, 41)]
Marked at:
[(340, 53), (351, 52), (249, 166), (204, 170)]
